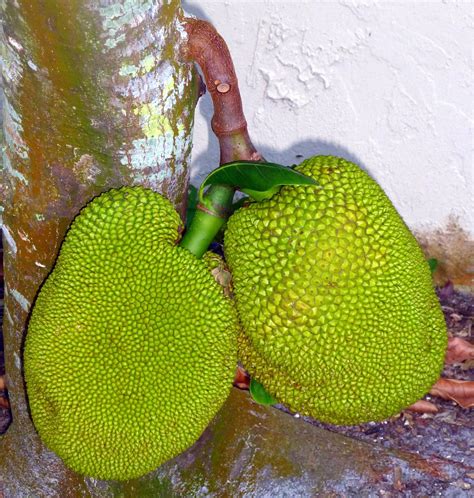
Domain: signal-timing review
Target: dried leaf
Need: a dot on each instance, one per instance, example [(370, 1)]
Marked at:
[(459, 350), (2, 383), (460, 391), (423, 406), (241, 379), (4, 403), (224, 278), (220, 272)]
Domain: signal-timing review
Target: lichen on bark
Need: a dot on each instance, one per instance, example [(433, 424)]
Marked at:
[(94, 97)]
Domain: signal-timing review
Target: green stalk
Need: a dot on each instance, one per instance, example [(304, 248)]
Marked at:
[(209, 218), (208, 49)]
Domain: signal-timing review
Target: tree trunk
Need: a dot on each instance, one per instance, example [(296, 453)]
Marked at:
[(94, 97)]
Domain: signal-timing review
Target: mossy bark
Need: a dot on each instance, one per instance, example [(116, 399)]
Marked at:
[(94, 96)]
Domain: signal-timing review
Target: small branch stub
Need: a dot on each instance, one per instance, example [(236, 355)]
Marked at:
[(223, 87)]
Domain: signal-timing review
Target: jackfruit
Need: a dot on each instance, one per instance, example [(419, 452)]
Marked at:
[(131, 345), (339, 318)]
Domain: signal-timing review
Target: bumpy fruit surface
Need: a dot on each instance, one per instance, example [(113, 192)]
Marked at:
[(339, 317), (131, 346)]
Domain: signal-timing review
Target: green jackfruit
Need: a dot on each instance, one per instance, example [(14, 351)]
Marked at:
[(131, 345), (339, 317)]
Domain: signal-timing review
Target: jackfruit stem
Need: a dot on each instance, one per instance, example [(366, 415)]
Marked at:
[(206, 47), (208, 220)]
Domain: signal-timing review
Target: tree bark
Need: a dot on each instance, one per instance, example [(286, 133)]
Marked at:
[(94, 97)]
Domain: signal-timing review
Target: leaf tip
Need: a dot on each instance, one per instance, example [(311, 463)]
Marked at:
[(260, 395)]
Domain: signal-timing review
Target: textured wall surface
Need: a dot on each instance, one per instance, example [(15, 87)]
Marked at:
[(385, 84)]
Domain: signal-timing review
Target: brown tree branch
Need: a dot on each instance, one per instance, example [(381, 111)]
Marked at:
[(208, 49)]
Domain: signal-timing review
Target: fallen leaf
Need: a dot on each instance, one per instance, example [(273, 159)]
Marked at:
[(459, 350), (4, 403), (241, 379), (460, 391), (423, 406), (2, 383)]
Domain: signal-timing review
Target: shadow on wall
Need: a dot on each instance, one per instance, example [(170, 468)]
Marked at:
[(194, 10), (205, 162)]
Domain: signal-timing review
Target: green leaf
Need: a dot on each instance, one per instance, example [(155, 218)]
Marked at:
[(433, 264), (258, 180), (192, 204), (260, 395)]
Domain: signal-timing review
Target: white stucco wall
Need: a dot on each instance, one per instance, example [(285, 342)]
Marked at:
[(388, 85)]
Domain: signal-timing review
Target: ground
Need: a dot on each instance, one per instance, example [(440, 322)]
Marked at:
[(444, 438)]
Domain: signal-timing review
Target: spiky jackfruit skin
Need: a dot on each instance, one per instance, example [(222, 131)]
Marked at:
[(339, 317), (131, 346)]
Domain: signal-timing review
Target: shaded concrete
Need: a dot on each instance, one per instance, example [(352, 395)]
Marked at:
[(254, 451)]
